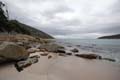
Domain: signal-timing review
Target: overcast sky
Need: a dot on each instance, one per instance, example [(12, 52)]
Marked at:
[(68, 18)]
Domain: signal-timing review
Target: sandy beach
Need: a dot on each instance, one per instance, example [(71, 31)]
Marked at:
[(59, 40), (63, 68)]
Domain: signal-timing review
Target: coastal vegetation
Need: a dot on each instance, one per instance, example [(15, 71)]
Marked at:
[(16, 27)]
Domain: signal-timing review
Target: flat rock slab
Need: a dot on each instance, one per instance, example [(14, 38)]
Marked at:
[(26, 63)]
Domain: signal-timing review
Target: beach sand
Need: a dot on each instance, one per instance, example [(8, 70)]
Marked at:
[(63, 68)]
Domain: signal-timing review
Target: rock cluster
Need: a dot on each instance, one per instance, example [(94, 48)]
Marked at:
[(94, 56), (20, 50)]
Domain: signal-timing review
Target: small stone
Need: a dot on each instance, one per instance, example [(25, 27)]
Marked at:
[(69, 46), (78, 45), (75, 50), (33, 50), (44, 54), (62, 54), (43, 50), (49, 57), (68, 53)]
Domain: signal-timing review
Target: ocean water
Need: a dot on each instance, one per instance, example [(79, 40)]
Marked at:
[(109, 48)]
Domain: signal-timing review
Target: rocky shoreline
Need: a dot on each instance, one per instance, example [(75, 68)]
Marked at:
[(19, 49), (41, 59)]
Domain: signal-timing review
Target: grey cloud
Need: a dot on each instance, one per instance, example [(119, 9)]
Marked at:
[(116, 8), (59, 9), (113, 28), (32, 13), (101, 29)]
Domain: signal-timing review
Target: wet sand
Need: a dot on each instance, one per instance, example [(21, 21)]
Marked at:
[(63, 68)]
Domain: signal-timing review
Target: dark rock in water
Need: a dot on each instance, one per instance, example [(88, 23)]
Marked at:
[(68, 53), (12, 52), (108, 59), (93, 44), (61, 51), (75, 50), (78, 45), (26, 63), (69, 46), (89, 56)]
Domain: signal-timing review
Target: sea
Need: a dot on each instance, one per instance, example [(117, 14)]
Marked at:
[(108, 48)]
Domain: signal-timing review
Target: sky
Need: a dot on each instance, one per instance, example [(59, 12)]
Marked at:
[(78, 19)]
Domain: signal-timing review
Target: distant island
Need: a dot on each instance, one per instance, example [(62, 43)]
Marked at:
[(117, 36)]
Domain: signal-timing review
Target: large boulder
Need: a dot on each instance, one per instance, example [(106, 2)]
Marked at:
[(52, 47), (89, 56), (11, 51)]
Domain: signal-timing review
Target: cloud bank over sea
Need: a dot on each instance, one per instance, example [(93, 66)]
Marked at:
[(68, 18)]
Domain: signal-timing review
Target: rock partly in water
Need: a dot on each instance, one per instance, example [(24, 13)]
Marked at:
[(89, 56), (78, 45), (69, 46), (109, 59), (10, 51), (75, 50)]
